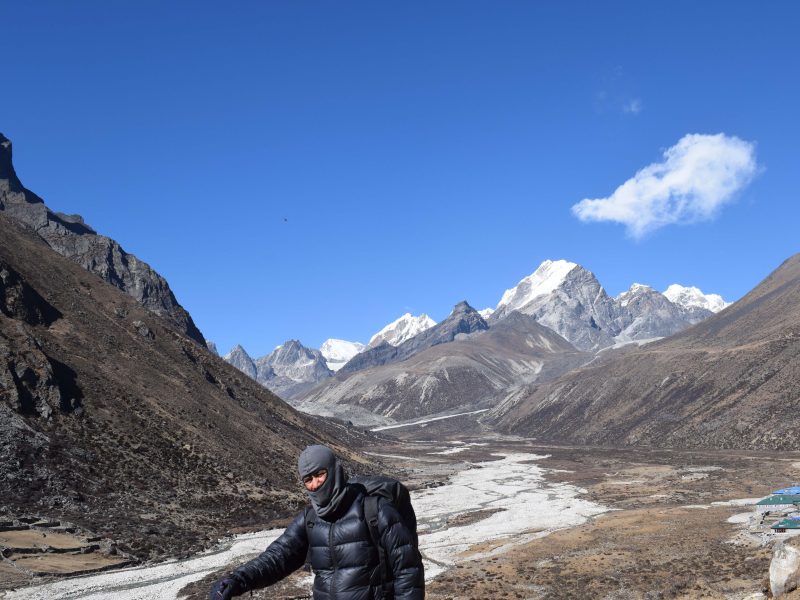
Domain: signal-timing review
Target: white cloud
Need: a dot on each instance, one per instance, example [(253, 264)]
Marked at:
[(698, 175), (632, 106)]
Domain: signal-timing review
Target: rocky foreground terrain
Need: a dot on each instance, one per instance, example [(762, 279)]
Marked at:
[(114, 420)]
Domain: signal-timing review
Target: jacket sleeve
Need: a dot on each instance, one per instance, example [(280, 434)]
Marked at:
[(403, 556), (282, 557)]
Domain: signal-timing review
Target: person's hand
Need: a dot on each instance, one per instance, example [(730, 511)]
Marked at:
[(225, 588)]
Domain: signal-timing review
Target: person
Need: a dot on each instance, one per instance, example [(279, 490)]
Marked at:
[(333, 534)]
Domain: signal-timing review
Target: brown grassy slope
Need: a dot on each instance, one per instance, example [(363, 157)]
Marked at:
[(728, 382), (151, 439)]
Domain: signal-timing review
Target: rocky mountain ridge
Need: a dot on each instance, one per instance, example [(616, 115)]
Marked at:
[(71, 237), (463, 320)]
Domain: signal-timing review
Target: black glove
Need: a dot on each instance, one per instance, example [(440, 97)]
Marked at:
[(226, 588)]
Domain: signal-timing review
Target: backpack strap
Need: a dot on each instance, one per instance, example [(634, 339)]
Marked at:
[(310, 517), (371, 515)]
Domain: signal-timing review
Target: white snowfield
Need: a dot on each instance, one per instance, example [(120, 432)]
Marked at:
[(525, 507)]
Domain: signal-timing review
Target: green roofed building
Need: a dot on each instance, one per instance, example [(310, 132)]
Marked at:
[(782, 526), (777, 502)]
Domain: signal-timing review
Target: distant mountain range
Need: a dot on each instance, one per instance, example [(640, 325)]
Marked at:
[(559, 295)]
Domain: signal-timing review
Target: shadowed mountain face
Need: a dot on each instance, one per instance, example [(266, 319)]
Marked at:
[(112, 419), (728, 382), (469, 373), (71, 237)]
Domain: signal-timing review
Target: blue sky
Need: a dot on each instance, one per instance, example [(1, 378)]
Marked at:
[(313, 170)]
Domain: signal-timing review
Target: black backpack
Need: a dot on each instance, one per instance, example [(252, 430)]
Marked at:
[(385, 488), (379, 488)]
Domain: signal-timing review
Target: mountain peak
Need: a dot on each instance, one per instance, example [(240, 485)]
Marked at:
[(7, 164), (462, 307), (338, 352), (636, 289), (544, 280), (692, 297), (402, 329), (239, 358)]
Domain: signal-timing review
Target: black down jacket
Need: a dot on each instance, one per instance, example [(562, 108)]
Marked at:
[(344, 560)]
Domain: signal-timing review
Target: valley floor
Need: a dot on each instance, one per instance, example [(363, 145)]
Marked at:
[(504, 518)]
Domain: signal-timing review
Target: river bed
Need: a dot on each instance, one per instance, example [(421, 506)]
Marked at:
[(510, 500)]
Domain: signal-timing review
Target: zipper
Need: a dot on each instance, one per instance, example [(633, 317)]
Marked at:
[(333, 559)]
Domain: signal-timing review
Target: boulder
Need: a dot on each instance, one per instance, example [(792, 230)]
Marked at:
[(784, 570)]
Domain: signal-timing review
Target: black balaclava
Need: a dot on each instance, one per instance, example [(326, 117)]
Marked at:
[(331, 495)]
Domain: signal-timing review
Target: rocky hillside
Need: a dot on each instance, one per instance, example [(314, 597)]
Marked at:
[(471, 372), (71, 237), (728, 382), (114, 420)]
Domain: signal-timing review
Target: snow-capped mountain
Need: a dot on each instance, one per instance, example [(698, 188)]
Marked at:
[(292, 369), (692, 297), (645, 314), (402, 329), (569, 299), (338, 352), (239, 358)]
